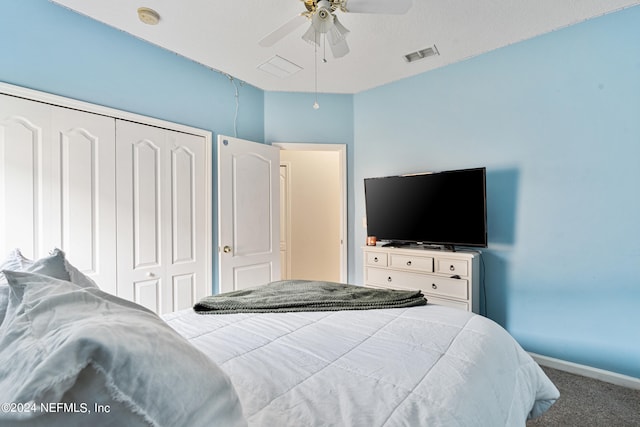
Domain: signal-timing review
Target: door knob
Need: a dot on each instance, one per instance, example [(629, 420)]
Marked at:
[(226, 249)]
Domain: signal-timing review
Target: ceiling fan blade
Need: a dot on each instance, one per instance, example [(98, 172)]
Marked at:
[(395, 7), (284, 30)]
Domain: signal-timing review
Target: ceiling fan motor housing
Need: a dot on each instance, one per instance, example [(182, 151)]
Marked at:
[(322, 19), (314, 5), (324, 8)]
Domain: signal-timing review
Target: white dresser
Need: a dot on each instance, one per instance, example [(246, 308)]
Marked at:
[(444, 277)]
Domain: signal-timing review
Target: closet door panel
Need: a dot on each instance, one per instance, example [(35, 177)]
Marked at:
[(186, 266), (147, 210), (148, 293), (25, 176), (184, 291), (86, 194), (139, 213), (183, 207)]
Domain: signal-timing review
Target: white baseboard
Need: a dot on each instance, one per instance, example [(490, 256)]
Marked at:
[(588, 371)]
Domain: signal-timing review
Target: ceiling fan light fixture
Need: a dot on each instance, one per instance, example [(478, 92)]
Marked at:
[(337, 38), (340, 28), (339, 48), (310, 36), (334, 37)]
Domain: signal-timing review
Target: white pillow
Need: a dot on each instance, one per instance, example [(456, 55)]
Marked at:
[(77, 276), (12, 262), (52, 265), (4, 301), (56, 265), (146, 365)]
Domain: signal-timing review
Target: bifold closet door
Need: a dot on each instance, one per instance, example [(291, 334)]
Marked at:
[(160, 213), (57, 185), (84, 153), (25, 176)]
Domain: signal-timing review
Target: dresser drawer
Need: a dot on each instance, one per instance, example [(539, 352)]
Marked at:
[(414, 263), (374, 258), (395, 279), (453, 288), (452, 266)]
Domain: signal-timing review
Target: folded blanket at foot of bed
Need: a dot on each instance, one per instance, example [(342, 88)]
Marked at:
[(307, 295)]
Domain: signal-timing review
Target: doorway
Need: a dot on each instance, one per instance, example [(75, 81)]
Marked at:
[(313, 213)]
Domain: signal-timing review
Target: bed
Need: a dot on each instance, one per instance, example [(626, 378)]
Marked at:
[(68, 346)]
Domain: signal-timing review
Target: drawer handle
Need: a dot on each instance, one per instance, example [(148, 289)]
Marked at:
[(389, 279), (452, 268), (434, 286), (375, 259), (408, 263)]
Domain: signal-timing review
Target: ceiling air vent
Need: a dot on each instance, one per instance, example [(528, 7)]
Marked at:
[(280, 67), (414, 56)]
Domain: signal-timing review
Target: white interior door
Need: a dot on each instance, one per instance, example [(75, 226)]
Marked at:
[(248, 213)]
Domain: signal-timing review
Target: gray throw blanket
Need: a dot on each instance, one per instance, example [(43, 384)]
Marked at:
[(306, 295)]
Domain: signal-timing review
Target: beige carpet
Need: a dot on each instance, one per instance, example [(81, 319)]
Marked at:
[(586, 402)]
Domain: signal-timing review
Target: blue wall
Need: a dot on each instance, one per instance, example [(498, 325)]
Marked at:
[(290, 117), (556, 121)]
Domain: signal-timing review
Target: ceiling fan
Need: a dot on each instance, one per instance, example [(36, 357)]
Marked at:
[(325, 22)]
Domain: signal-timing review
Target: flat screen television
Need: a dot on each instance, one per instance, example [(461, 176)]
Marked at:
[(444, 208)]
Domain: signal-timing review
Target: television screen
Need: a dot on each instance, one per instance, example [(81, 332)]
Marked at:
[(444, 208)]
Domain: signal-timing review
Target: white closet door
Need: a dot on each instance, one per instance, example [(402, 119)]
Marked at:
[(25, 182), (57, 185), (84, 156), (161, 216)]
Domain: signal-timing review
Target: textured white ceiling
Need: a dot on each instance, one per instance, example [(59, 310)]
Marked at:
[(224, 35)]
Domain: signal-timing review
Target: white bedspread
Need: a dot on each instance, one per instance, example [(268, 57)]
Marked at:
[(420, 366)]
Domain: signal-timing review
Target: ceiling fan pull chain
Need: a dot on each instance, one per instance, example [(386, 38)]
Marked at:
[(324, 48), (315, 63)]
